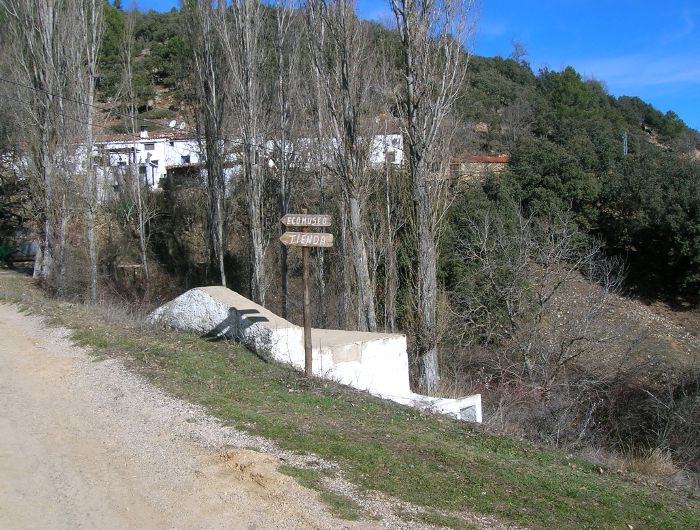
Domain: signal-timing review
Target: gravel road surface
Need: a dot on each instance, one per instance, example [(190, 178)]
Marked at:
[(84, 443)]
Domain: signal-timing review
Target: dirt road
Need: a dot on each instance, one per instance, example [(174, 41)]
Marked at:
[(86, 444)]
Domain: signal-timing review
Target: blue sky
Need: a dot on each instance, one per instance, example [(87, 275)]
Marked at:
[(645, 48)]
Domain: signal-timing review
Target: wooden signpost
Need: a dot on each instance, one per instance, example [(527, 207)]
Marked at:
[(306, 240), (306, 219)]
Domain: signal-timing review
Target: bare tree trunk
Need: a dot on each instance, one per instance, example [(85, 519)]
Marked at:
[(283, 17), (346, 80), (254, 194), (64, 160), (91, 12), (61, 246), (433, 39), (142, 228), (218, 223), (367, 319), (46, 176), (137, 192), (347, 280), (320, 179), (321, 257), (391, 274), (92, 244), (426, 338), (210, 80)]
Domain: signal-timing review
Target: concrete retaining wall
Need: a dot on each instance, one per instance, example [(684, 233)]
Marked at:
[(375, 362)]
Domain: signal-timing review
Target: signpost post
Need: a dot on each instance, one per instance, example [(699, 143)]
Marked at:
[(308, 358), (306, 240)]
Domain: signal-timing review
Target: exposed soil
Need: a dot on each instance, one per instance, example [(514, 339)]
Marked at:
[(652, 337)]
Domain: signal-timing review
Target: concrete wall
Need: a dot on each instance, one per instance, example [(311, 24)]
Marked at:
[(375, 362)]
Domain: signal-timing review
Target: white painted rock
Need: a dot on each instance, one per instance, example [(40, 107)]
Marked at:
[(194, 311)]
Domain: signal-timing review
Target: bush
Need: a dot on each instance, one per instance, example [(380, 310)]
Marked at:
[(661, 414)]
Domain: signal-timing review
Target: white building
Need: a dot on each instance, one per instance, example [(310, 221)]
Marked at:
[(156, 153), (387, 149), (152, 152)]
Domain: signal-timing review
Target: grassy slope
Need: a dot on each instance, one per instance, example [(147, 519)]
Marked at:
[(427, 460)]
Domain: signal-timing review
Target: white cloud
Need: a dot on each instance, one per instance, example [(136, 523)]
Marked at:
[(642, 70)]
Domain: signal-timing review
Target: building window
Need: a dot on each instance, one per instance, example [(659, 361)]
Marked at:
[(185, 159), (149, 147), (390, 157)]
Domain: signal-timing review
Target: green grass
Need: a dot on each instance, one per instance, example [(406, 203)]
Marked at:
[(446, 521), (306, 477), (444, 465), (339, 505)]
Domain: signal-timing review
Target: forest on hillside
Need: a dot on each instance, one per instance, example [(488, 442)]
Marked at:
[(565, 135), (600, 197)]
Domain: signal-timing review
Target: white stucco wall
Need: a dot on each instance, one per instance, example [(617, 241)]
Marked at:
[(375, 362), (387, 146), (157, 152)]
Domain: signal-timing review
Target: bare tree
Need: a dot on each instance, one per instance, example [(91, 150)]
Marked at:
[(287, 77), (32, 27), (90, 12), (536, 292), (434, 39), (48, 61), (519, 51), (394, 221), (517, 119), (211, 78), (346, 68), (135, 186), (316, 108), (240, 30)]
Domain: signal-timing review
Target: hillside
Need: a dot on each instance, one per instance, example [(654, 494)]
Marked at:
[(564, 135), (368, 458)]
